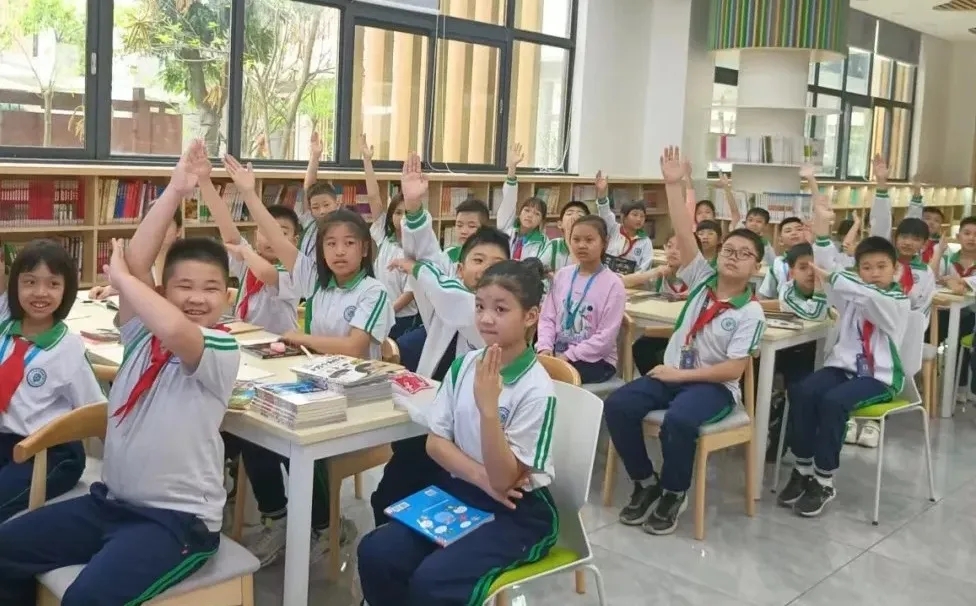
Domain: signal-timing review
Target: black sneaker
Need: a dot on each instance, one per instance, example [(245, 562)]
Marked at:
[(814, 499), (794, 489), (664, 518), (641, 501)]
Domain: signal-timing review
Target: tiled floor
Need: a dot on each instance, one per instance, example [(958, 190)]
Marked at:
[(919, 553)]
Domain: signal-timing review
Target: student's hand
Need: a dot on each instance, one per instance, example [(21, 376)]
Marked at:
[(916, 185), (235, 250), (880, 169), (724, 180), (808, 231), (314, 147), (671, 168), (100, 293), (668, 374), (508, 498), (243, 176), (546, 352), (488, 381), (294, 338), (366, 150), (602, 185), (957, 285), (117, 268), (515, 157), (686, 169), (192, 164), (807, 172), (413, 183), (821, 274), (403, 264), (562, 357)]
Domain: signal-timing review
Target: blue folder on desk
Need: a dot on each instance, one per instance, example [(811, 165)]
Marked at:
[(438, 516)]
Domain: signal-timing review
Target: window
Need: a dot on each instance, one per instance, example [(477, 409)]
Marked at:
[(831, 75), (858, 70), (486, 11), (550, 17), (879, 134), (901, 134), (291, 55), (826, 126), (465, 103), (881, 77), (537, 103), (389, 92), (42, 62), (859, 144), (904, 82)]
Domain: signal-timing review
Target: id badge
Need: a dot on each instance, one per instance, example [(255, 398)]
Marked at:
[(689, 358), (863, 366), (560, 347)]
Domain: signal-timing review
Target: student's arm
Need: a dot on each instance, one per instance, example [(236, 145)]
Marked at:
[(371, 322), (646, 258), (923, 292), (603, 204), (506, 213), (149, 236), (302, 208), (642, 278), (915, 204), (673, 171), (377, 205), (503, 467), (259, 266), (419, 240), (881, 206), (885, 309), (244, 179), (546, 332), (813, 308), (603, 339), (735, 216), (769, 287), (452, 302), (403, 300), (743, 344), (853, 235), (221, 214)]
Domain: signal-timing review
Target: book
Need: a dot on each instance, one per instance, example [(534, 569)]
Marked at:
[(784, 320), (266, 352), (298, 404), (101, 335), (360, 381), (438, 516), (620, 265), (410, 383)]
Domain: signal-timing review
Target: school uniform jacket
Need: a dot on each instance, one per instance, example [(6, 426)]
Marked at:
[(673, 286), (310, 227), (556, 255), (811, 306), (273, 308), (167, 453), (332, 310), (57, 376), (419, 242), (447, 309), (881, 222), (732, 335), (776, 278), (532, 243), (638, 249), (526, 410), (388, 249), (951, 265)]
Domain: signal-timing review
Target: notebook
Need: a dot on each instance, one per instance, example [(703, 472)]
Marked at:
[(620, 265), (265, 352), (438, 516)]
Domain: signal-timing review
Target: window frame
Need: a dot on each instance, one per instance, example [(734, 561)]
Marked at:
[(99, 30)]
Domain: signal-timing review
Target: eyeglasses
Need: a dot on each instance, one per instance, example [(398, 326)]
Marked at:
[(737, 254)]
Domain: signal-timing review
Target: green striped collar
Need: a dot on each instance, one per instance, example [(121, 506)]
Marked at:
[(956, 256), (454, 254), (559, 246), (45, 340), (535, 235), (739, 301), (915, 262), (517, 368), (351, 284)]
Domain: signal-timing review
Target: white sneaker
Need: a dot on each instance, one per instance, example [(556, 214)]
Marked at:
[(268, 545), (870, 435), (320, 539), (850, 435)]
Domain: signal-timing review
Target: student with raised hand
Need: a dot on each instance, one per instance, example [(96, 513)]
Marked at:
[(315, 201), (490, 433), (43, 370), (386, 231), (628, 240), (582, 312), (347, 312), (265, 296), (173, 232), (861, 369), (155, 517), (557, 253), (791, 233), (522, 221), (719, 328)]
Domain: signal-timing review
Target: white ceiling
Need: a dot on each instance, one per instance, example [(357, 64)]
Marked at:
[(918, 15)]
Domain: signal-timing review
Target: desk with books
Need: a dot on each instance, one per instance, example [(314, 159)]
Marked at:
[(367, 425), (656, 313)]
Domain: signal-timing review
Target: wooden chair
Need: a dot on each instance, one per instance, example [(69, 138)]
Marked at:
[(105, 373), (226, 579), (231, 297), (930, 366), (301, 315), (353, 464)]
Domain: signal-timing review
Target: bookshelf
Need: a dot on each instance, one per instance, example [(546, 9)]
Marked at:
[(86, 205)]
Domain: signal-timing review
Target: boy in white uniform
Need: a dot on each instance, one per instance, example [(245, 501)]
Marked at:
[(628, 240), (44, 373), (791, 233), (719, 328), (315, 201), (155, 518)]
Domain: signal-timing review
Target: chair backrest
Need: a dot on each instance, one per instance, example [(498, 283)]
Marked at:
[(574, 440), (910, 351), (105, 373), (390, 351), (560, 370)]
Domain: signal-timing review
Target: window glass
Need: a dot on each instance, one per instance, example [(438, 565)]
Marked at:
[(859, 142), (831, 74), (858, 71), (827, 128), (545, 16), (901, 125), (537, 103), (904, 82), (881, 77), (486, 11), (465, 102)]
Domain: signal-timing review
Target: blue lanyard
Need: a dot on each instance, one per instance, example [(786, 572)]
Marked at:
[(31, 354), (570, 310)]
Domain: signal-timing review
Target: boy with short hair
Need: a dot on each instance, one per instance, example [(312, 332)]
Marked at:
[(861, 369), (791, 233), (628, 240), (933, 217), (556, 255), (155, 518), (719, 328), (756, 221), (315, 201), (469, 216)]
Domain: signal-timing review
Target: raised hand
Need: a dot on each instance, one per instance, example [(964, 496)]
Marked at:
[(193, 165), (515, 156), (243, 176), (488, 380), (402, 264), (602, 185), (366, 150), (880, 169), (724, 180), (235, 250), (671, 167), (315, 146), (117, 267), (807, 172), (413, 183)]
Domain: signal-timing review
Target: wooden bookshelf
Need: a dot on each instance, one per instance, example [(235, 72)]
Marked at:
[(87, 220)]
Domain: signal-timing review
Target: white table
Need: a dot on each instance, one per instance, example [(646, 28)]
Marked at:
[(955, 304), (656, 313)]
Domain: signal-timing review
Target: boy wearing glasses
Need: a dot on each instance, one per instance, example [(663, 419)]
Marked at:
[(719, 327)]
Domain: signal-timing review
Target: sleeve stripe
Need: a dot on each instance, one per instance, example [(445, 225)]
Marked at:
[(377, 311), (757, 336), (544, 442), (136, 344), (850, 276)]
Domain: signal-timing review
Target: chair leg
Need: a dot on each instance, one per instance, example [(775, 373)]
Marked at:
[(357, 484), (751, 495), (928, 454), (877, 478), (247, 590), (609, 474), (782, 441), (334, 562), (580, 582), (237, 527), (701, 475), (601, 591)]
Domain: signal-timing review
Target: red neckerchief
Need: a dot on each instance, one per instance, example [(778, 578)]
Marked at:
[(906, 280), (251, 287), (12, 372)]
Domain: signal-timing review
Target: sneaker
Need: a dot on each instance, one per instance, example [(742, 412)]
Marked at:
[(814, 499), (664, 518), (870, 435), (268, 545), (794, 489), (320, 539), (641, 501), (850, 435)]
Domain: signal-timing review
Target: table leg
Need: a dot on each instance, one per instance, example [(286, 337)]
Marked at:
[(764, 391), (299, 537), (949, 359)]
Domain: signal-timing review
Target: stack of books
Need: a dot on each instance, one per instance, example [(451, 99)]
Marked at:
[(360, 381), (298, 405)]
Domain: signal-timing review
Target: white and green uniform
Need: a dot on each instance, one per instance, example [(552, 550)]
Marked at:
[(670, 286), (447, 309), (951, 265), (922, 286), (523, 246), (733, 335), (809, 307), (420, 242), (639, 249), (167, 453), (332, 310), (310, 227), (273, 308), (453, 253), (881, 222), (526, 409), (777, 275), (857, 302), (556, 255), (57, 376), (388, 249)]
